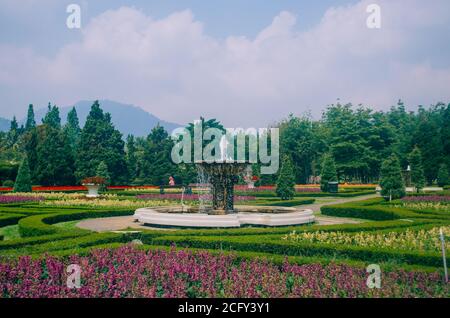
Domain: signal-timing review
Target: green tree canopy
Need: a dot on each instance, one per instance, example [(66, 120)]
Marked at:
[(31, 122), (392, 185), (415, 162), (328, 173), (443, 176), (23, 180), (286, 181)]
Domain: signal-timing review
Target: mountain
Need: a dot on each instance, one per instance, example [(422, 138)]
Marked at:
[(4, 124), (128, 119)]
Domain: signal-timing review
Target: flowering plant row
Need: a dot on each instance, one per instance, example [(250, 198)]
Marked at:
[(19, 198), (187, 197), (130, 272), (428, 198), (423, 240)]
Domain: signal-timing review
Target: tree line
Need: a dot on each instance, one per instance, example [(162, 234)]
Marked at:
[(353, 141)]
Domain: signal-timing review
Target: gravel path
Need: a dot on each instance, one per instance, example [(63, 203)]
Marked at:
[(123, 222)]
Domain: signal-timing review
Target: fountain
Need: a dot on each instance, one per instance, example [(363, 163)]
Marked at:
[(221, 175)]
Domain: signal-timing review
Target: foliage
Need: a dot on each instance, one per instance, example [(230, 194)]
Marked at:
[(286, 182), (328, 172), (392, 185), (109, 147), (417, 176), (443, 177), (23, 180)]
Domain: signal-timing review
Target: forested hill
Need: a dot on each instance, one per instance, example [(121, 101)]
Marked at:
[(128, 119)]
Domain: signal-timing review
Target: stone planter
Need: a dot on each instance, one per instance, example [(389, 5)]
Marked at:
[(92, 190)]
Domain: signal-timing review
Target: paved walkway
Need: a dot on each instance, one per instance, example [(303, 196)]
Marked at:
[(123, 222)]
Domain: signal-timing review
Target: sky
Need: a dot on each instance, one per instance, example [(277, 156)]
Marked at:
[(246, 63)]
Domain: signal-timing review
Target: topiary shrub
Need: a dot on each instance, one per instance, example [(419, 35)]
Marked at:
[(328, 173), (286, 183), (23, 180)]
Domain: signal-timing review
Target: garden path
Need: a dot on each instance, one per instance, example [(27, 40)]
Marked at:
[(124, 222)]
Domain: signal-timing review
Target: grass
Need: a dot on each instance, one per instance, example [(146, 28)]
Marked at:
[(10, 232), (69, 225)]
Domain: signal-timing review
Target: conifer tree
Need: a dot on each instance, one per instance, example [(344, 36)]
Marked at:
[(23, 180), (417, 175), (328, 173), (102, 171), (392, 184), (31, 122), (286, 180), (443, 176)]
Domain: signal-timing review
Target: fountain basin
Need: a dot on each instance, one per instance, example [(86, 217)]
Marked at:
[(177, 216)]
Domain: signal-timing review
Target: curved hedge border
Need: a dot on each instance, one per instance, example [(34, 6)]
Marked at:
[(10, 219), (42, 224)]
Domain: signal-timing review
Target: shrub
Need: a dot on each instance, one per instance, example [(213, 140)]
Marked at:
[(392, 185), (328, 173), (8, 183), (286, 182), (23, 180), (443, 176), (10, 219)]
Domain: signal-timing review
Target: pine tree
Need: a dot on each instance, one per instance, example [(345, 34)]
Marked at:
[(23, 180), (52, 117), (286, 180), (72, 129), (102, 171), (392, 185), (417, 175), (100, 141), (131, 158), (55, 159), (328, 173), (31, 122), (157, 165), (30, 142), (443, 176)]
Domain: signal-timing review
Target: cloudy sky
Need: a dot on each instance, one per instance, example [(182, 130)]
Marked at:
[(246, 63)]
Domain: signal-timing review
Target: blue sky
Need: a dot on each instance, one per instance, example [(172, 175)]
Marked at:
[(245, 62)]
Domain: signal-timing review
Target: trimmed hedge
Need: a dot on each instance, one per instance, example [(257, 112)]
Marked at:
[(274, 245), (41, 224), (10, 219), (286, 203), (18, 243)]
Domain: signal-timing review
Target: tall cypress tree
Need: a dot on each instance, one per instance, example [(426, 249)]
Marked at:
[(72, 129), (131, 158), (30, 141), (417, 176), (286, 180), (23, 180), (100, 141), (392, 184), (52, 117), (31, 122), (157, 166), (328, 173)]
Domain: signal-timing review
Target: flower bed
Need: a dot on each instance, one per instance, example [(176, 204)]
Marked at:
[(427, 198), (187, 197), (5, 199), (129, 272), (423, 240)]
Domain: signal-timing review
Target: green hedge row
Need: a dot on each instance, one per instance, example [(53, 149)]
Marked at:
[(285, 203), (269, 194), (70, 243), (41, 224), (30, 241), (10, 219), (276, 246), (379, 212)]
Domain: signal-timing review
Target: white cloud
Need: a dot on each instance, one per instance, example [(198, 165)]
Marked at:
[(174, 70)]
